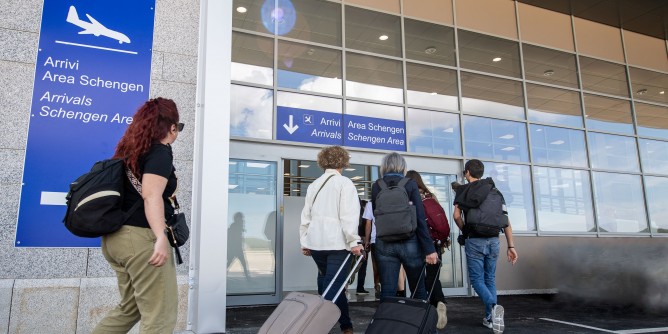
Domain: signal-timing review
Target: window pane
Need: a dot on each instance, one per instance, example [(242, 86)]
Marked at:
[(432, 86), (657, 197), (491, 96), (654, 155), (514, 182), (550, 66), (613, 152), (603, 77), (252, 59), (316, 21), (374, 78), (649, 86), (606, 114), (486, 138), (251, 113), (552, 105), (563, 199), (558, 146), (309, 68), (619, 202), (251, 232), (372, 31), (374, 110), (247, 14), (429, 42), (433, 132), (652, 121), (489, 54), (309, 102)]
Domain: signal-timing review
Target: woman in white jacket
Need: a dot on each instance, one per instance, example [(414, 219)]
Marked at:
[(328, 229)]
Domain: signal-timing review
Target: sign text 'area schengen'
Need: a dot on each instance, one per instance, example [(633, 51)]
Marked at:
[(310, 126), (92, 72)]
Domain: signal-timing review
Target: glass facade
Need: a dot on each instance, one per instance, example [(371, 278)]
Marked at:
[(579, 142)]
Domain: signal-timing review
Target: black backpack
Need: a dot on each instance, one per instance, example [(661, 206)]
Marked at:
[(94, 202), (490, 217), (395, 216)]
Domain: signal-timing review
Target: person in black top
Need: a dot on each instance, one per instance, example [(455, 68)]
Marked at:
[(139, 252)]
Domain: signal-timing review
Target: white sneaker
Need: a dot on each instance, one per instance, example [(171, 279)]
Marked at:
[(487, 323), (497, 319), (442, 312)]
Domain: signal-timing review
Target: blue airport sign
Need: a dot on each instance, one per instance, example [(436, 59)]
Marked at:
[(310, 126), (92, 72)]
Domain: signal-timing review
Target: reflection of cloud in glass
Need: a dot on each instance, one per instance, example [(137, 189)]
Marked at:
[(374, 92), (555, 118), (375, 110), (251, 112), (619, 201), (252, 73), (491, 108), (432, 100), (309, 102)]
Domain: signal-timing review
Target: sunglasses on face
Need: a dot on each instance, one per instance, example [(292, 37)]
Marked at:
[(179, 126)]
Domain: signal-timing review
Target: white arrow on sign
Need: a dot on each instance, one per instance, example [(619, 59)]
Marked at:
[(291, 128)]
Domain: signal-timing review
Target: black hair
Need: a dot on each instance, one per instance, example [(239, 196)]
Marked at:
[(475, 167)]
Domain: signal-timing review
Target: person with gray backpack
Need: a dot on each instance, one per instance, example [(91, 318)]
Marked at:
[(402, 235), (484, 217)]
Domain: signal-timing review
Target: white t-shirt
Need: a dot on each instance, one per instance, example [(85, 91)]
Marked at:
[(368, 214)]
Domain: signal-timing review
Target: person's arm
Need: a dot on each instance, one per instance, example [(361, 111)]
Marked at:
[(153, 186), (511, 252), (457, 215), (349, 216)]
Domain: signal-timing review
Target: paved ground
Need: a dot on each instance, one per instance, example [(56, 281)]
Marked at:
[(525, 314)]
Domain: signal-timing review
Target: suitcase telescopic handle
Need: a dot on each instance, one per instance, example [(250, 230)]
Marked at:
[(433, 284), (350, 274)]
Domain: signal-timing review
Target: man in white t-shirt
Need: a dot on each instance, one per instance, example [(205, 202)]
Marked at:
[(369, 240)]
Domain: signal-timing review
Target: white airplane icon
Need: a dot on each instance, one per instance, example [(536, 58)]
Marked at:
[(94, 27)]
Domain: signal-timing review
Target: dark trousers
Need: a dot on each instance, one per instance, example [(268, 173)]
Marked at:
[(328, 263), (433, 277), (361, 274)]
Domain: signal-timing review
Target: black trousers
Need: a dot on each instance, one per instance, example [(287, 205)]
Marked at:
[(433, 274)]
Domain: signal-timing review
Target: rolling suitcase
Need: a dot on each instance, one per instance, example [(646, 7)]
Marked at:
[(305, 313), (403, 315)]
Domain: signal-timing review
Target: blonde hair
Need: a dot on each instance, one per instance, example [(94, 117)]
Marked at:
[(333, 157)]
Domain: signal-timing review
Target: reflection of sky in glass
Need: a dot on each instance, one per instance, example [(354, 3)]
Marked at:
[(374, 110), (553, 118), (307, 82), (309, 102), (433, 132), (600, 125), (487, 138), (252, 73), (613, 152), (657, 197), (491, 108), (654, 155), (251, 112), (652, 132), (563, 198), (434, 100), (514, 182), (619, 203), (558, 146), (374, 92)]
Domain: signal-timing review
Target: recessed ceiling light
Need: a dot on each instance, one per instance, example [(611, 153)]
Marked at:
[(383, 37), (641, 91), (430, 50), (310, 52), (662, 92), (508, 136), (242, 9), (557, 142), (509, 148), (433, 93), (548, 73), (350, 169), (497, 59), (304, 166)]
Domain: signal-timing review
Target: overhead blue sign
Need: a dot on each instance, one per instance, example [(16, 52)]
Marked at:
[(378, 133), (310, 126), (92, 72)]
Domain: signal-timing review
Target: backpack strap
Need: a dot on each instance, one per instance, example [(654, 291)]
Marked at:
[(323, 184), (381, 183), (403, 182), (137, 185)]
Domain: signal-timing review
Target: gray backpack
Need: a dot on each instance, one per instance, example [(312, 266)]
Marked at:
[(395, 216), (488, 219)]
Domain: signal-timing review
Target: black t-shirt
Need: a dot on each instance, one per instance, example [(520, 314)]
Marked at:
[(159, 161)]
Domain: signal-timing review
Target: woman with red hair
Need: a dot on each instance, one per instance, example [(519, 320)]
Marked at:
[(139, 252)]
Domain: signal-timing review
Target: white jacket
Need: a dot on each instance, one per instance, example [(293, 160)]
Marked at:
[(331, 222)]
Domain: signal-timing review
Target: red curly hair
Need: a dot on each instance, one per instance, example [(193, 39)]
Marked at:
[(150, 124)]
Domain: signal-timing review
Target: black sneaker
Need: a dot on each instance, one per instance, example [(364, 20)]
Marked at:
[(362, 292)]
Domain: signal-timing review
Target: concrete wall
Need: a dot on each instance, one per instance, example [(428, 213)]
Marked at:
[(61, 290)]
